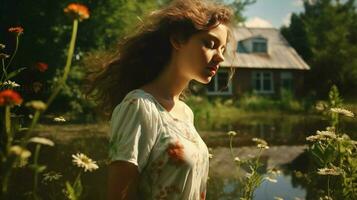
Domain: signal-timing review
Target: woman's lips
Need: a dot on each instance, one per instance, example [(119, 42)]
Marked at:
[(213, 69)]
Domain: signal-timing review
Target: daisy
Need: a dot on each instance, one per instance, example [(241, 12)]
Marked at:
[(81, 160)]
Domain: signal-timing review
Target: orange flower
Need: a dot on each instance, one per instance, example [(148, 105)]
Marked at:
[(41, 66), (176, 152), (10, 97), (18, 30), (77, 10)]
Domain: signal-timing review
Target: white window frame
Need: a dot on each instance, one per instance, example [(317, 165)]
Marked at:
[(215, 82), (261, 82), (260, 42)]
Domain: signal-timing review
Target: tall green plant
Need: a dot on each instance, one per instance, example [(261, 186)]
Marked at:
[(254, 176), (334, 152)]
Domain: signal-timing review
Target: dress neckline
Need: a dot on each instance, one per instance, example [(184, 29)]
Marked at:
[(163, 108)]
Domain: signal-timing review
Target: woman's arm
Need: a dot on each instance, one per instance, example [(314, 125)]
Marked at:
[(123, 179)]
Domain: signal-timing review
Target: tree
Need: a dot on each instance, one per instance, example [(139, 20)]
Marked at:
[(325, 35), (47, 31)]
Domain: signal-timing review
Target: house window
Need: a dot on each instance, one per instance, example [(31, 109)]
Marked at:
[(259, 46), (218, 84), (286, 80), (241, 48), (263, 82)]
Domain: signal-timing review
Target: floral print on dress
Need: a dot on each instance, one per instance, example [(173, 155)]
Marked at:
[(176, 152), (203, 195), (166, 191)]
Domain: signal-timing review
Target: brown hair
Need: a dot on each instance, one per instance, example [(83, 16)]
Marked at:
[(142, 55)]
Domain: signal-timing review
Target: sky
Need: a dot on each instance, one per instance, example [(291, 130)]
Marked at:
[(273, 13)]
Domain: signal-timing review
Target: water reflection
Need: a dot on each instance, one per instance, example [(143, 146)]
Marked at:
[(276, 130), (226, 179), (230, 189)]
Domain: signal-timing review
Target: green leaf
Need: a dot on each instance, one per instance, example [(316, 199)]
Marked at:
[(14, 73), (70, 191)]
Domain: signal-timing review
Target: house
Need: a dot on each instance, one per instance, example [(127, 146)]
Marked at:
[(264, 63)]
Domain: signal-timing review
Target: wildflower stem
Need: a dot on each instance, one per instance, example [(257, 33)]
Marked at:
[(230, 145), (35, 119), (8, 126), (12, 57), (328, 187), (35, 180), (3, 69), (32, 126), (67, 68)]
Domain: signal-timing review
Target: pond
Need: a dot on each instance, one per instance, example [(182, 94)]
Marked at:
[(287, 145)]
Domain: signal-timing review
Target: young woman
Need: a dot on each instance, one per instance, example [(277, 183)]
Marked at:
[(155, 151)]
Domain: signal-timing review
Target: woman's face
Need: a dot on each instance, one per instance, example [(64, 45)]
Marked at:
[(202, 52)]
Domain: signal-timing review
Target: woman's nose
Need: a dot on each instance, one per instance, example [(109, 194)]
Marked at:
[(219, 56)]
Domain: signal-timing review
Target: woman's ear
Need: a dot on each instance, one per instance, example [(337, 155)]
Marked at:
[(175, 42)]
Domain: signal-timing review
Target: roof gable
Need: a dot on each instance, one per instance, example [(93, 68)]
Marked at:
[(280, 55)]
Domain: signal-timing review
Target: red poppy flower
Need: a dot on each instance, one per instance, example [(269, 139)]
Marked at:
[(176, 152), (18, 30), (41, 66), (10, 97), (77, 10)]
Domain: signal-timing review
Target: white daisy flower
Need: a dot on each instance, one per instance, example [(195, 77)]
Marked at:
[(81, 160), (36, 104), (334, 171), (19, 151), (42, 140), (261, 144), (59, 119), (343, 112), (231, 133), (10, 83)]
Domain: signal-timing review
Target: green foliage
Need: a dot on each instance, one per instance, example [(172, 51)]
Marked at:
[(46, 34), (13, 151), (286, 102), (256, 102), (325, 35), (74, 191), (253, 169), (238, 8), (335, 153), (334, 97)]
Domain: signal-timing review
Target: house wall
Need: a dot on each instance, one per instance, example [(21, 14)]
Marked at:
[(242, 81)]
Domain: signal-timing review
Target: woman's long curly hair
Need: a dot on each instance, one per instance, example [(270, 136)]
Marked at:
[(142, 55)]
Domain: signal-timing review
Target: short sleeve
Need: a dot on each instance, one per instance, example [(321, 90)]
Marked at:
[(134, 128)]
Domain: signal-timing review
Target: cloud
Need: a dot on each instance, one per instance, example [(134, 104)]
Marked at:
[(287, 19), (257, 22), (298, 3)]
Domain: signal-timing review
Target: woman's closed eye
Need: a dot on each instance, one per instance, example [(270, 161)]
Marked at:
[(209, 44)]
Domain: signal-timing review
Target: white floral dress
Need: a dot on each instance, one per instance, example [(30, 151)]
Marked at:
[(172, 158)]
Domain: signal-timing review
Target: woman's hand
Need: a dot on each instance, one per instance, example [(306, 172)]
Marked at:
[(123, 179)]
